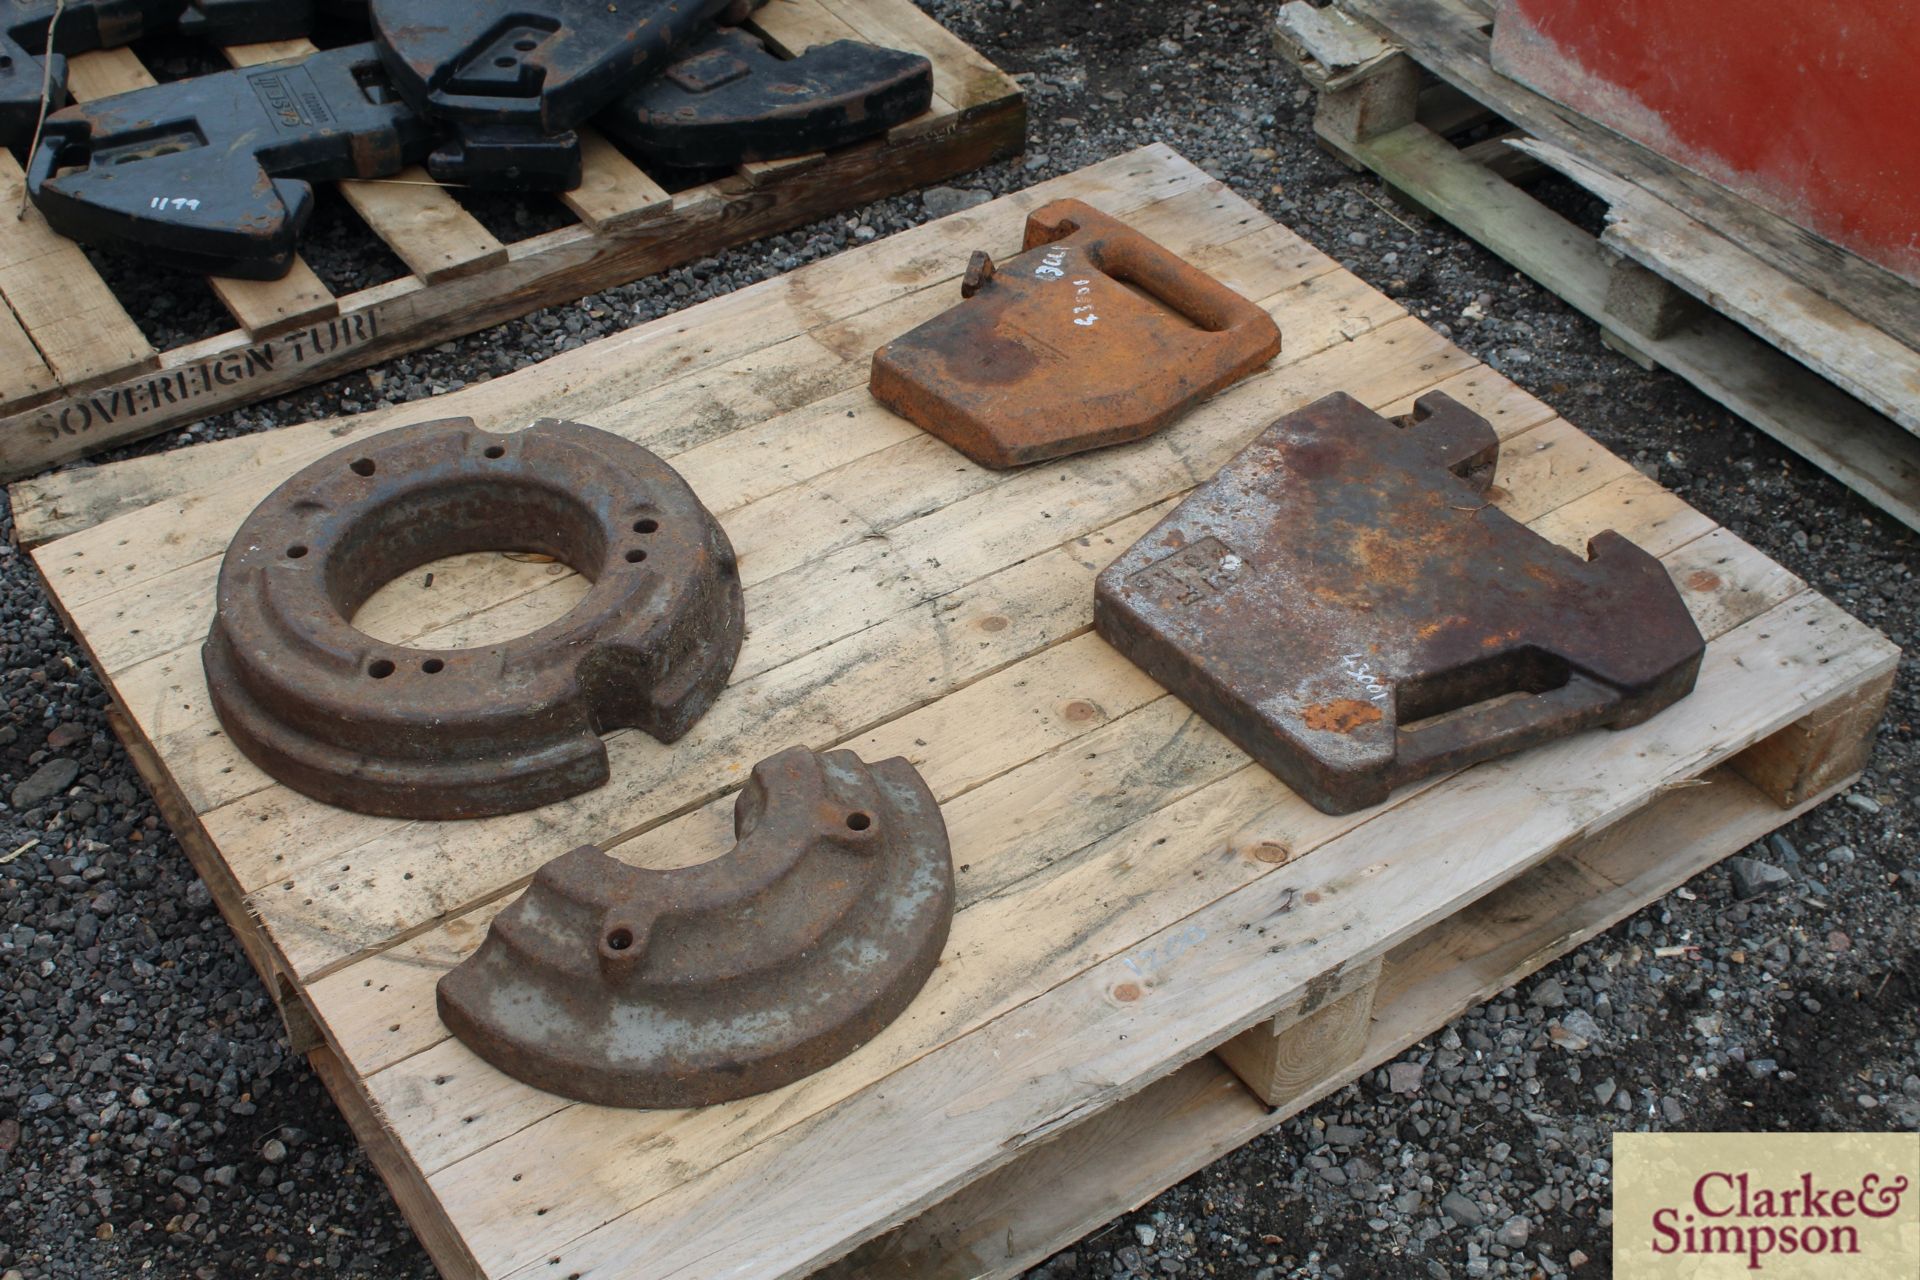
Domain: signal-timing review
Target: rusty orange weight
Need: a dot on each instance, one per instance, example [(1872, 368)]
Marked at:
[(1094, 335)]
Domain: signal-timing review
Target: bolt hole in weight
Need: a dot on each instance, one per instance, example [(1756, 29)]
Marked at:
[(495, 451), (380, 668), (635, 556), (858, 821), (620, 939), (362, 466), (645, 526), (433, 666), (295, 551)]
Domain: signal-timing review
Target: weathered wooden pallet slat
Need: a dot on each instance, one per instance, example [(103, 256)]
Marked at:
[(21, 357), (1880, 371), (1133, 891), (99, 382), (1001, 1225), (65, 309)]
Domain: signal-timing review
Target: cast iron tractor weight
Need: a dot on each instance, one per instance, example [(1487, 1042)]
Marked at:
[(632, 987), (1093, 336), (213, 173), (248, 21), (1345, 603), (459, 733), (729, 99), (512, 78), (83, 25)]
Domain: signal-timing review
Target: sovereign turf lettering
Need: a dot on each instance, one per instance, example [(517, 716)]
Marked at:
[(213, 377)]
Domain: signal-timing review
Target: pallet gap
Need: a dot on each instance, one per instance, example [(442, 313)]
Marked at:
[(513, 216), (346, 253)]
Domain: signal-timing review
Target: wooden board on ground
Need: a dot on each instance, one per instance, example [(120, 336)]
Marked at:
[(1819, 379), (83, 377), (1133, 891)]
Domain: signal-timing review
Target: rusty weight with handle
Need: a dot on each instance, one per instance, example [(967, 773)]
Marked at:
[(1346, 604), (1094, 335)]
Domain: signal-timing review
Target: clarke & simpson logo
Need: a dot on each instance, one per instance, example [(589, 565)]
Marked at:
[(1788, 1205)]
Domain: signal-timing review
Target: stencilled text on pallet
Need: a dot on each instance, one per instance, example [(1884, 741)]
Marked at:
[(217, 378)]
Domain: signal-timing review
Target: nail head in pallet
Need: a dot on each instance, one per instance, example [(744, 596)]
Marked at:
[(1810, 344), (1132, 891), (80, 376)]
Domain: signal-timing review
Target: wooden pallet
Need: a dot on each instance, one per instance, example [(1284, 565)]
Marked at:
[(1686, 276), (1134, 892), (76, 373)]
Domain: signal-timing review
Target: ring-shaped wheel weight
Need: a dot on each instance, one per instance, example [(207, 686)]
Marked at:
[(458, 733)]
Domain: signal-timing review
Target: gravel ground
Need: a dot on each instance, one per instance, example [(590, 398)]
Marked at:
[(153, 1121)]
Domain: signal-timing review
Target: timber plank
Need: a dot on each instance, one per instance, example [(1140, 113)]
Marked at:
[(613, 191), (594, 378), (1013, 1219), (1881, 371), (79, 328), (27, 370)]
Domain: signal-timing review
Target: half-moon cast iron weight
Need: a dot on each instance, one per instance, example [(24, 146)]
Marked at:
[(458, 733), (632, 987)]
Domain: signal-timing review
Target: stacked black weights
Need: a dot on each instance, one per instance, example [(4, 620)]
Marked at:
[(489, 93)]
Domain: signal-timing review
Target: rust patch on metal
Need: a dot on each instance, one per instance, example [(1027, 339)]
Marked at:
[(632, 987), (1342, 715), (1343, 604), (457, 733), (1093, 336)]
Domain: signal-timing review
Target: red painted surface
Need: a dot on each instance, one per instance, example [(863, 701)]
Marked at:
[(1809, 107)]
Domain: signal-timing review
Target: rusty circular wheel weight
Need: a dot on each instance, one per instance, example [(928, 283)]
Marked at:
[(628, 986), (400, 731)]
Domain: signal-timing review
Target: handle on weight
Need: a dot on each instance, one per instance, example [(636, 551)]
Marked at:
[(1495, 727), (1119, 251)]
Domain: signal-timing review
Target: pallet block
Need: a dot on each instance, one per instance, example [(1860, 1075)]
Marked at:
[(77, 374), (1133, 892)]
